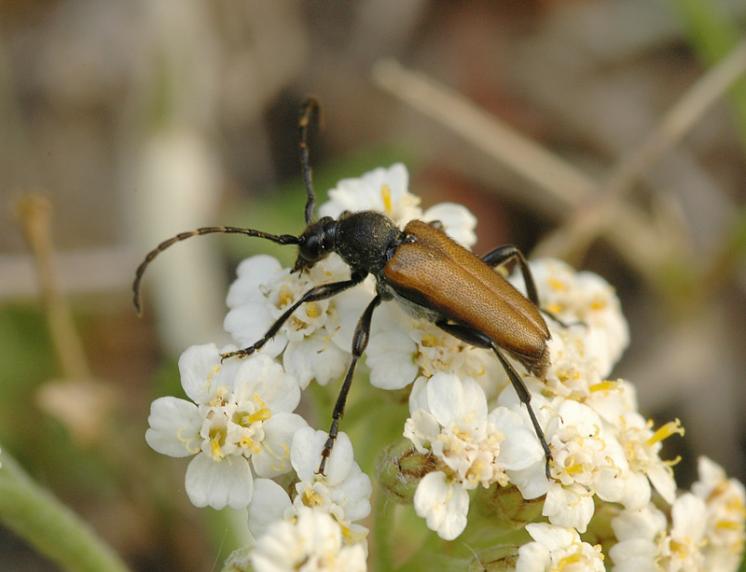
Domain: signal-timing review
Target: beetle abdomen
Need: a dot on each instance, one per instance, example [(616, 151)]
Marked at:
[(436, 272)]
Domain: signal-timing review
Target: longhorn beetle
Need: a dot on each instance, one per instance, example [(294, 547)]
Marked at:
[(421, 267)]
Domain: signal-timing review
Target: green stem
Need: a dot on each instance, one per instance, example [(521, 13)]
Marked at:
[(44, 522), (383, 519)]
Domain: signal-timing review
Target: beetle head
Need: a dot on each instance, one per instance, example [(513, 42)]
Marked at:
[(316, 243)]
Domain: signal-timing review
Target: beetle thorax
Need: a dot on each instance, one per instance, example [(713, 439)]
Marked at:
[(365, 240)]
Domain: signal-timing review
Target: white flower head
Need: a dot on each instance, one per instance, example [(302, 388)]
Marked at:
[(725, 502), (582, 297), (342, 492), (317, 338), (586, 459), (556, 548), (312, 541), (449, 418), (239, 418)]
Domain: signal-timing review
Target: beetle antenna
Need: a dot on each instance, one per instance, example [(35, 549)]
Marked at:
[(310, 111), (280, 239)]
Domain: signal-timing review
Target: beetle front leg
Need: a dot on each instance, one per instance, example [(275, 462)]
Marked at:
[(359, 343), (317, 293), (478, 339)]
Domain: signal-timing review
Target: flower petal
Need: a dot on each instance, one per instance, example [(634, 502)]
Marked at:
[(274, 458), (444, 505), (174, 427), (219, 483), (268, 505)]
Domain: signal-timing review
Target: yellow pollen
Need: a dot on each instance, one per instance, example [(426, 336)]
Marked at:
[(261, 415), (673, 462), (429, 341), (727, 525), (574, 468), (313, 310), (556, 284), (679, 548), (603, 386), (665, 431), (735, 505), (388, 205), (311, 498), (568, 561), (217, 440), (285, 297), (598, 304), (555, 308)]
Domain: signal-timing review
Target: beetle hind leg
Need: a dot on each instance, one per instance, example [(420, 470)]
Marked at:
[(478, 339)]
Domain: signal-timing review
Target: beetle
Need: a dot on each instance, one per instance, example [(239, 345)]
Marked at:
[(422, 268)]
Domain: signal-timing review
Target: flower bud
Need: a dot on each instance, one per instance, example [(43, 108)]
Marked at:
[(506, 505), (400, 468)]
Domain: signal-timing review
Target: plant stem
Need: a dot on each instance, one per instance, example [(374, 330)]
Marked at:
[(44, 522), (384, 512)]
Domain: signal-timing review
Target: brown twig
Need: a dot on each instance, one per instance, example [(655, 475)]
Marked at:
[(35, 214), (562, 183), (580, 229)]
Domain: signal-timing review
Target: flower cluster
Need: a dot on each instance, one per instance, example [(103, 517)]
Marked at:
[(251, 451)]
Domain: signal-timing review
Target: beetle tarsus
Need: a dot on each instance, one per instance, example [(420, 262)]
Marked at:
[(552, 316)]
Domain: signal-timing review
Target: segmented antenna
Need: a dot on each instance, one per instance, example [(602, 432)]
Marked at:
[(280, 239), (310, 110)]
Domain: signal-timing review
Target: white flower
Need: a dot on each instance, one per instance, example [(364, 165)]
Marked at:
[(586, 459), (682, 548), (645, 544), (555, 548), (241, 413), (640, 534), (343, 492), (449, 418), (642, 448), (310, 542), (387, 191), (584, 297), (318, 337), (725, 501)]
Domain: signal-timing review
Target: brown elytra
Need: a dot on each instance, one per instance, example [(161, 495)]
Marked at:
[(434, 270)]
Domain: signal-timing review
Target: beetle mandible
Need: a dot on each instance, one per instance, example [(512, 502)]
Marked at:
[(422, 268)]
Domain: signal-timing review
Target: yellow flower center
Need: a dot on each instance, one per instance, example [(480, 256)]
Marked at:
[(217, 440), (556, 284), (313, 310), (284, 297)]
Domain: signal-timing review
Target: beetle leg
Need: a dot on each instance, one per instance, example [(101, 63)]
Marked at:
[(318, 293), (525, 396), (359, 343), (504, 254), (477, 338), (562, 323)]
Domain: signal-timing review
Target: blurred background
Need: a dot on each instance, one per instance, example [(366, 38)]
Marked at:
[(611, 133)]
